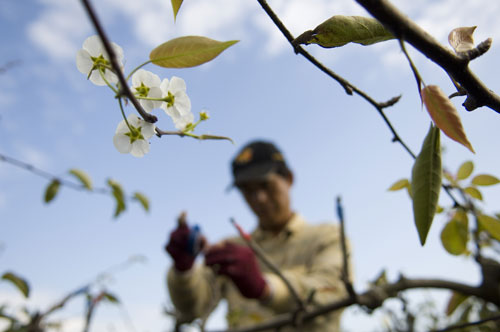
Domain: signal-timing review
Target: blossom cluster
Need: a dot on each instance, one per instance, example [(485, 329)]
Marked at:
[(132, 133)]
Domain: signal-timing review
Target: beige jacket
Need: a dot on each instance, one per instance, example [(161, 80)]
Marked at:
[(309, 256)]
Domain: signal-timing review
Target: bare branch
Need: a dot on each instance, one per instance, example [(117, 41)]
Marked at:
[(372, 299), (348, 86), (267, 262), (461, 326), (50, 176), (346, 278), (455, 65), (9, 65)]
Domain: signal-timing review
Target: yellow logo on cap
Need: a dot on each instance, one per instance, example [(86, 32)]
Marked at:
[(245, 156), (278, 156)]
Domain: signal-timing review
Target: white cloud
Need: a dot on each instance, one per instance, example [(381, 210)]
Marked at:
[(62, 23), (59, 28), (440, 17)]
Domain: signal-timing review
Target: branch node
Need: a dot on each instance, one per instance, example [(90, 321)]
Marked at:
[(390, 102), (476, 52), (471, 104)]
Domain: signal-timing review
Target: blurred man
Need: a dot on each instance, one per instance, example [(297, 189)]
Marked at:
[(309, 256)]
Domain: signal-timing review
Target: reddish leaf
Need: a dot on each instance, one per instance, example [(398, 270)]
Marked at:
[(444, 114)]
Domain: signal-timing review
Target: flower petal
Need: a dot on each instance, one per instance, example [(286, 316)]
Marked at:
[(83, 62), (172, 111), (148, 130), (138, 78), (97, 79), (177, 84), (122, 128), (139, 148), (148, 105), (110, 76), (182, 102), (164, 86), (122, 143), (118, 52), (94, 46), (155, 92)]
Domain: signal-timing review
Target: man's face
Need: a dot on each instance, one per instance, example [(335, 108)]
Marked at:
[(269, 200)]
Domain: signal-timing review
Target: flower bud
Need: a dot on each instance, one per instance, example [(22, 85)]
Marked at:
[(204, 115)]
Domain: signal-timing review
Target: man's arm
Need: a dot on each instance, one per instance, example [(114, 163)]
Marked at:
[(193, 289), (322, 275), (194, 293)]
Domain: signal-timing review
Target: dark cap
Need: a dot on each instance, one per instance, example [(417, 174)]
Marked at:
[(256, 161)]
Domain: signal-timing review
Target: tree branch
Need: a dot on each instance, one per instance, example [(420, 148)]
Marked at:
[(344, 83), (461, 326), (346, 278), (124, 88), (372, 299), (455, 65), (270, 265), (50, 177)]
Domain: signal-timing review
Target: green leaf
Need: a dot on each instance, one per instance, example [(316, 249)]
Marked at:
[(143, 200), (339, 30), (117, 191), (215, 137), (454, 237), (400, 184), (52, 190), (444, 114), (176, 4), (188, 51), (82, 177), (461, 216), (474, 193), (485, 180), (380, 280), (426, 183), (465, 170), (21, 284), (491, 225), (456, 300), (110, 298)]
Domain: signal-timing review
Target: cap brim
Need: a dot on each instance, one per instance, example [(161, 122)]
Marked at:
[(258, 172)]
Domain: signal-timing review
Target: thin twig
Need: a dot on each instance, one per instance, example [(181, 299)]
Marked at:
[(50, 176), (348, 86), (456, 66), (345, 254), (9, 65), (267, 262), (372, 298), (461, 326), (418, 78), (124, 88)]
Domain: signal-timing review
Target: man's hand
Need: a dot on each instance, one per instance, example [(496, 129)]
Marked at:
[(178, 246), (240, 265)]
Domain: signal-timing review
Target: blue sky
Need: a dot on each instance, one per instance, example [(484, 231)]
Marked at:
[(336, 144)]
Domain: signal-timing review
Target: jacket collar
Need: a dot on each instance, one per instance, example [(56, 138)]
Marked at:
[(294, 225)]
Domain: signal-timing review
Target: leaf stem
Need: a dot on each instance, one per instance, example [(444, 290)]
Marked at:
[(137, 68)]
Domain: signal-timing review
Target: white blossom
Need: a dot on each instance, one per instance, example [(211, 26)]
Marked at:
[(177, 104), (133, 140), (93, 58), (147, 84)]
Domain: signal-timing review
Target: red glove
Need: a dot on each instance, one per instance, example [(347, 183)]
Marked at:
[(239, 264), (177, 247), (178, 244)]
